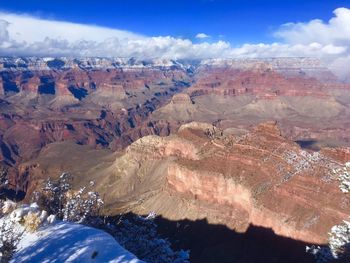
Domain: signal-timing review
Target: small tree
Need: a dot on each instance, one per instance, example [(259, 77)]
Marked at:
[(9, 238), (53, 195), (3, 176), (139, 235), (339, 240), (82, 205), (58, 198)]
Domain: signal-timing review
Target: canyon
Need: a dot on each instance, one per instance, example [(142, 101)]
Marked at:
[(238, 143), (259, 178)]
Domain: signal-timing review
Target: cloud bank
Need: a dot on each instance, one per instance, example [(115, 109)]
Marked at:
[(32, 36), (331, 38)]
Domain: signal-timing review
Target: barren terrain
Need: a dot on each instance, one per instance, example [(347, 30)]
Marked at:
[(238, 143)]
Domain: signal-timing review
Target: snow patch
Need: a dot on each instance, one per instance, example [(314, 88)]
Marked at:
[(70, 242)]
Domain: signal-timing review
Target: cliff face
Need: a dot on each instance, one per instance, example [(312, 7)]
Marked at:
[(242, 93), (260, 178), (268, 78), (102, 105), (240, 175), (110, 102), (79, 83)]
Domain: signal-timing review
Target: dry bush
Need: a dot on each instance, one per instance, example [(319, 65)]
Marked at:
[(8, 206), (32, 222)]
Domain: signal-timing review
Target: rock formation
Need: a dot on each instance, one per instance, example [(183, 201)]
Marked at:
[(260, 178), (115, 121)]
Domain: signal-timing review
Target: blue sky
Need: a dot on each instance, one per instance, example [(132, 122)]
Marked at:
[(236, 21), (181, 29)]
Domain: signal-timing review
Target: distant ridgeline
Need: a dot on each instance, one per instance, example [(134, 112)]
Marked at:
[(38, 63)]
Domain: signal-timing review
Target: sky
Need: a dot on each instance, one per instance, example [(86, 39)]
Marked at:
[(236, 21), (177, 28)]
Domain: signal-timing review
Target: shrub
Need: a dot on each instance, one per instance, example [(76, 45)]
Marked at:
[(32, 222), (9, 238), (81, 206), (139, 235), (53, 195), (8, 206), (59, 199)]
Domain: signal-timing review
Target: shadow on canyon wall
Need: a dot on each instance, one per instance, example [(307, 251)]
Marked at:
[(12, 194), (308, 144), (209, 243)]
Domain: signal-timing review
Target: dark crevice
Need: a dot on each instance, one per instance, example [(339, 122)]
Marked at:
[(47, 85), (10, 86), (78, 93)]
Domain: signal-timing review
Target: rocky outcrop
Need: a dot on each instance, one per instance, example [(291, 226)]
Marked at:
[(89, 63), (80, 82), (110, 103), (258, 179), (101, 106), (292, 67), (243, 93), (264, 82), (181, 98)]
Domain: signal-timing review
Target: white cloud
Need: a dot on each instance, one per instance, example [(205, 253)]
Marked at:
[(331, 39), (27, 35), (19, 35), (4, 35), (336, 31), (25, 28), (202, 35)]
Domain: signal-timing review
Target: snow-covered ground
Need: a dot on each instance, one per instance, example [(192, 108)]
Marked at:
[(29, 234), (70, 242)]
